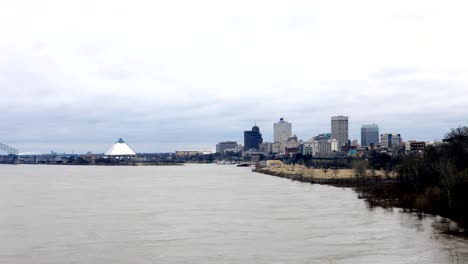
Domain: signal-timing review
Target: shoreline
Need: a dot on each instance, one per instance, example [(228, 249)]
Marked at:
[(376, 192), (99, 164), (335, 177)]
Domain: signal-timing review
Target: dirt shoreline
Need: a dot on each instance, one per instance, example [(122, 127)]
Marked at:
[(326, 176)]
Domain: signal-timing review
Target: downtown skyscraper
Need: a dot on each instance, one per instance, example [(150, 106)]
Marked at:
[(282, 131), (252, 138), (369, 135), (339, 130)]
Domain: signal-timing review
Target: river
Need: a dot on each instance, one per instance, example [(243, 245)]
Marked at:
[(201, 214)]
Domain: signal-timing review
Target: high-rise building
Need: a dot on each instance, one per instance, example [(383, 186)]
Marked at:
[(369, 135), (252, 138), (390, 140), (339, 130), (282, 131), (222, 147)]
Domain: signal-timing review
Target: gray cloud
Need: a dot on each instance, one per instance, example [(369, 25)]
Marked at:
[(166, 79)]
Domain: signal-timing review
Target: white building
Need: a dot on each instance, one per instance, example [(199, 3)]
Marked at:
[(320, 146), (120, 148), (282, 131)]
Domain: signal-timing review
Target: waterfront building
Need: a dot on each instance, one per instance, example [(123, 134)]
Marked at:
[(252, 139), (222, 147), (282, 130), (339, 130), (120, 148), (369, 135), (191, 153), (390, 140)]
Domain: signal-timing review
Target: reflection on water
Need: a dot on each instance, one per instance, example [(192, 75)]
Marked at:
[(201, 214)]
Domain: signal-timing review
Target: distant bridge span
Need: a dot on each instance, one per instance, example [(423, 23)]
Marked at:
[(9, 150)]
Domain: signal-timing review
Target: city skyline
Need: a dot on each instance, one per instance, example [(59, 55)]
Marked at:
[(76, 75), (240, 139)]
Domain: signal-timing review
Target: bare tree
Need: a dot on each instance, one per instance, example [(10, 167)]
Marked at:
[(325, 170), (360, 168), (448, 178)]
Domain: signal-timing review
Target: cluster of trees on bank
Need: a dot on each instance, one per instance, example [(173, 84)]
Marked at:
[(433, 181), (440, 176)]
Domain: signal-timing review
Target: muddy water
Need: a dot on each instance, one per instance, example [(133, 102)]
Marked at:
[(201, 214)]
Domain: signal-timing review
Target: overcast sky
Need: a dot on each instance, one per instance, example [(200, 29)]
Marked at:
[(168, 75)]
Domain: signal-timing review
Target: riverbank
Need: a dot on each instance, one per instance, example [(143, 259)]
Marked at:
[(377, 188), (326, 176)]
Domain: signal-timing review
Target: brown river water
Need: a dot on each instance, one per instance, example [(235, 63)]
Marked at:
[(202, 214)]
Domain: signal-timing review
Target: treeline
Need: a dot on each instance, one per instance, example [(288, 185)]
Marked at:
[(439, 176)]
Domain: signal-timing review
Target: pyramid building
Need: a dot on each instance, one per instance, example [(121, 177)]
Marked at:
[(120, 148)]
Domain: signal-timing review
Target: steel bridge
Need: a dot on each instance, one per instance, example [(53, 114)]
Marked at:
[(9, 150)]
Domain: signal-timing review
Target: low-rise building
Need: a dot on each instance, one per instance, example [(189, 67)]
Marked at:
[(415, 146), (266, 147), (390, 140), (327, 146), (290, 143), (223, 147), (306, 148), (191, 153), (276, 148)]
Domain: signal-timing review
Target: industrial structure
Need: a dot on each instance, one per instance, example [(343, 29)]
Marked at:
[(8, 150)]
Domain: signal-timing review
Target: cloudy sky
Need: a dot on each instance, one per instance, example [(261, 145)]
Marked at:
[(167, 75)]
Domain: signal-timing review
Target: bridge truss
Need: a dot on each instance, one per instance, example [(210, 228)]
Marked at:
[(9, 150)]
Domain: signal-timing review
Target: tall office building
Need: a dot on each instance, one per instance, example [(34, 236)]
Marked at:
[(339, 130), (252, 139), (282, 131), (369, 135)]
